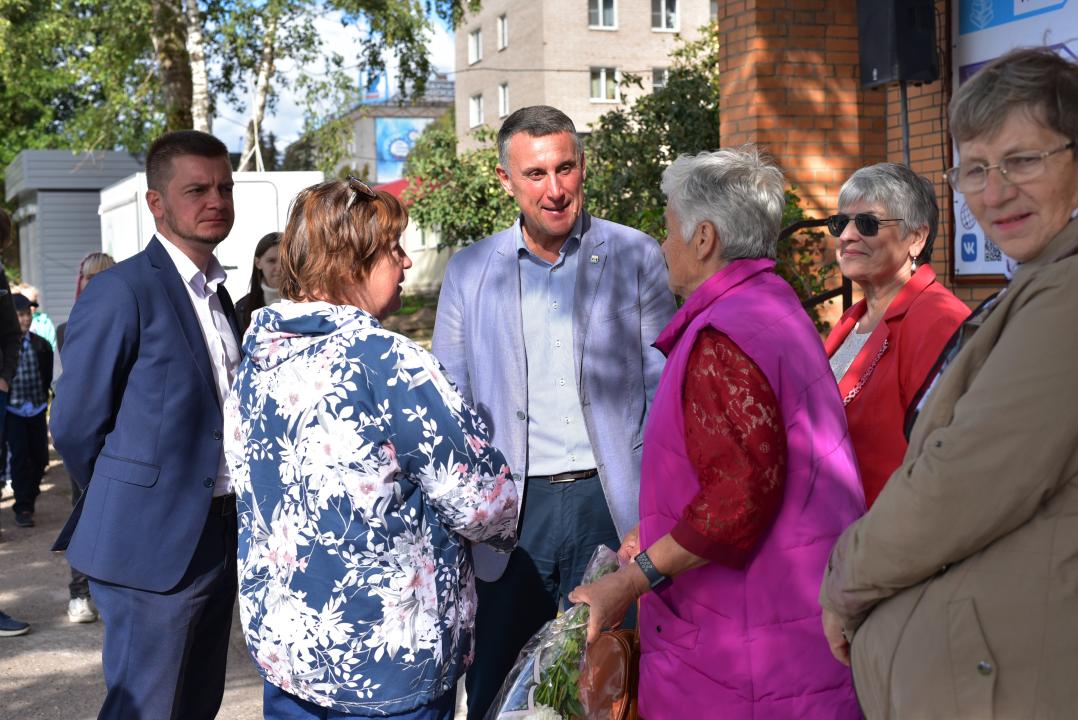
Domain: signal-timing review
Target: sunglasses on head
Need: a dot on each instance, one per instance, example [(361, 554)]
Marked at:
[(360, 189), (866, 224)]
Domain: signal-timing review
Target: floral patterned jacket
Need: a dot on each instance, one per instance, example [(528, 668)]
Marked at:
[(359, 474)]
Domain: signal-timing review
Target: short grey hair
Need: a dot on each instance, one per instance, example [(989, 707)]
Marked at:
[(738, 190), (901, 192), (536, 121), (1034, 80)]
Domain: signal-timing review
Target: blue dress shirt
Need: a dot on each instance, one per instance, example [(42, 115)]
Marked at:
[(557, 437)]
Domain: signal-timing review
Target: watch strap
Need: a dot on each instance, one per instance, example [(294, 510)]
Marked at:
[(655, 578)]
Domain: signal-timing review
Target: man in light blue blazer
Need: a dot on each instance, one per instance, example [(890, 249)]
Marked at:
[(150, 350), (546, 328)]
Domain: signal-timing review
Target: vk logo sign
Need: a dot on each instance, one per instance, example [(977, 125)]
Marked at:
[(969, 247)]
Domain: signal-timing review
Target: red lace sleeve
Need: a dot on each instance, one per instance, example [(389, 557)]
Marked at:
[(737, 442)]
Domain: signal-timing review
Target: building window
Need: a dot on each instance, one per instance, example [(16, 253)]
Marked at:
[(658, 78), (475, 46), (714, 10), (602, 14), (503, 100), (475, 110), (604, 84), (664, 14), (503, 32)]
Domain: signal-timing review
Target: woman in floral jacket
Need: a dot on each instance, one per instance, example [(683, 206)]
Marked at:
[(360, 475)]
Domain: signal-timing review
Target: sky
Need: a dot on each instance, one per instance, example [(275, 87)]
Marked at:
[(287, 120)]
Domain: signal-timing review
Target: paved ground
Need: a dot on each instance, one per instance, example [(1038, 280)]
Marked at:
[(54, 672)]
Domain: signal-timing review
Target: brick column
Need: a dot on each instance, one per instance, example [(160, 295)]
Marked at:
[(790, 82)]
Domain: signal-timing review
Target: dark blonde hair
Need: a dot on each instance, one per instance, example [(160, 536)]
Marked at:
[(92, 264), (334, 237)]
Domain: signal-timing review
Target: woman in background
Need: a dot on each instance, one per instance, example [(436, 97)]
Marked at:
[(91, 265), (80, 606), (265, 280), (883, 347)]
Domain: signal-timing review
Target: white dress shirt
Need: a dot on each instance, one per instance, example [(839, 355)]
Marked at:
[(221, 345)]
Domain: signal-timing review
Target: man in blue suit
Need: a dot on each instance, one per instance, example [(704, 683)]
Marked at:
[(149, 354), (546, 328)]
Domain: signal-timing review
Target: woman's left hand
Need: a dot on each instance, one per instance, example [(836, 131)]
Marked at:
[(609, 597)]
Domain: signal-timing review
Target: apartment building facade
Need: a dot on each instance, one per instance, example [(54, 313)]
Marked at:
[(572, 54)]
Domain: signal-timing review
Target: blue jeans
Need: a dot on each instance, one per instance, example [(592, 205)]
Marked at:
[(279, 705)]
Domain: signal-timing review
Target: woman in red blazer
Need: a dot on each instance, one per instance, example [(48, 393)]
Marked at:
[(884, 346)]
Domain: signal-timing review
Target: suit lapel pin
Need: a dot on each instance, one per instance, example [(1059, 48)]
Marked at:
[(594, 259)]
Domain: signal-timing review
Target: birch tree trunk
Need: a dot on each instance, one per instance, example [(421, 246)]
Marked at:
[(262, 90), (201, 117), (169, 33)]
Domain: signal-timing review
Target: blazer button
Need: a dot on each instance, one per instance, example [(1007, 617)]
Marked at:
[(658, 628), (216, 434), (984, 667), (208, 482), (521, 415)]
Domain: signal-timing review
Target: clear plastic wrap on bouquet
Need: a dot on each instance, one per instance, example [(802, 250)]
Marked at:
[(544, 683)]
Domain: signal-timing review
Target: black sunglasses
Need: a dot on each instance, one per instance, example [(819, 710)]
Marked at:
[(359, 189), (866, 224)]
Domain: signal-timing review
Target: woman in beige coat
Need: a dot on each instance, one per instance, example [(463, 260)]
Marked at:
[(958, 591)]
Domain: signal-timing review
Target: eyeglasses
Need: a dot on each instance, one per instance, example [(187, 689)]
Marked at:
[(1015, 169), (866, 224), (359, 189)]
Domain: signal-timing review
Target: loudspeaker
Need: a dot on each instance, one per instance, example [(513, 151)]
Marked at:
[(897, 41)]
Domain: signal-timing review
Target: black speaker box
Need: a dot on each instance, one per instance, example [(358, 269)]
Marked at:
[(898, 41)]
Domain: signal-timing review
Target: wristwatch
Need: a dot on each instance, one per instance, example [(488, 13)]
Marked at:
[(655, 578)]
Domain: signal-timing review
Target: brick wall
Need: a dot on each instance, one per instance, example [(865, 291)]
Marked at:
[(791, 82), (931, 152)]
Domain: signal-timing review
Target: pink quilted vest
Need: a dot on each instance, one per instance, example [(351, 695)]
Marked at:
[(723, 643)]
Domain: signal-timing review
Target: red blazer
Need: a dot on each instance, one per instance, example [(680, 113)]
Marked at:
[(917, 325)]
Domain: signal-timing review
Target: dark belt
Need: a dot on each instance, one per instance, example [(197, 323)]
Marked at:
[(566, 477), (223, 505)]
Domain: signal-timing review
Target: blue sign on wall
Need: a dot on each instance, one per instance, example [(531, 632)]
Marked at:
[(969, 247), (975, 15), (394, 139)]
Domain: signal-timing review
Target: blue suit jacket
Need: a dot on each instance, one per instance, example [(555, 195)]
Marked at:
[(621, 303), (137, 421)]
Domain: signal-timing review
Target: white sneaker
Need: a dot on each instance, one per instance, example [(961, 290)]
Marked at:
[(81, 610)]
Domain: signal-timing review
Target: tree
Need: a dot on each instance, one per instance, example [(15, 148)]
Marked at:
[(457, 194), (626, 153), (629, 148), (77, 74), (104, 74)]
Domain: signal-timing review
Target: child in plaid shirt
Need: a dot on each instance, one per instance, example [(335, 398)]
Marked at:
[(25, 425)]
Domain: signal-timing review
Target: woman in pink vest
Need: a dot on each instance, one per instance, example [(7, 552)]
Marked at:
[(748, 474)]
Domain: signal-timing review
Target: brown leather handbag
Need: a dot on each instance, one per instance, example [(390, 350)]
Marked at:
[(610, 677)]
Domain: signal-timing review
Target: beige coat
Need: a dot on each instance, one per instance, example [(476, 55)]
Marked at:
[(960, 586)]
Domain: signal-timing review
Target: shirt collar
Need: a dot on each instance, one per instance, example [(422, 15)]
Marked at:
[(190, 273), (571, 242)]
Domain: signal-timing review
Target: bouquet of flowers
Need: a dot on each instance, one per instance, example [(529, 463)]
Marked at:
[(544, 683)]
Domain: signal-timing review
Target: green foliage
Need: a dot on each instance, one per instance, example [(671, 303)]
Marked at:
[(457, 194), (76, 74), (629, 147), (801, 259), (82, 74)]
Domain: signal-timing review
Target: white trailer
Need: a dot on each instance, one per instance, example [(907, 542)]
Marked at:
[(262, 202)]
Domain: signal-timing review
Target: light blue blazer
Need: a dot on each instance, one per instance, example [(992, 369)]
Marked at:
[(621, 303)]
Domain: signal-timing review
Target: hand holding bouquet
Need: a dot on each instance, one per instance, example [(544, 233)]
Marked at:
[(545, 681)]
